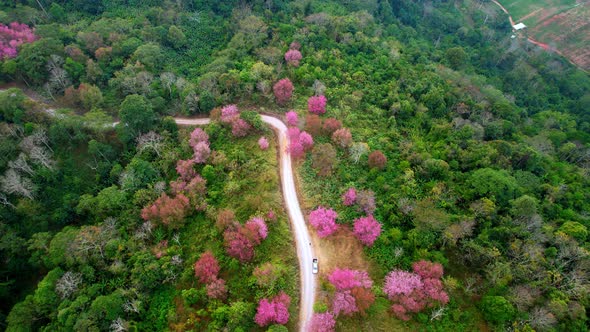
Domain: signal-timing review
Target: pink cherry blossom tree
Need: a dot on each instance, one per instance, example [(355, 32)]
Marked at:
[(317, 104), (343, 302), (342, 137), (349, 197), (367, 230), (323, 322), (275, 310), (345, 279), (206, 268), (201, 152), (229, 113), (12, 36), (283, 90), (306, 140), (259, 226), (240, 128), (293, 57), (185, 169), (331, 125), (216, 289), (292, 118), (198, 135), (263, 143), (324, 221)]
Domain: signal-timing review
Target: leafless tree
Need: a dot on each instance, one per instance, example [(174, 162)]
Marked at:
[(151, 141), (405, 205), (42, 156), (93, 239), (119, 325), (357, 150), (168, 79), (68, 284), (14, 183), (176, 260), (20, 164), (132, 306), (58, 77), (318, 88), (144, 231), (4, 200), (542, 319), (437, 313)]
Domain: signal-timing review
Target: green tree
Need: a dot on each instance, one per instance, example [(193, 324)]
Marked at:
[(575, 230), (32, 59), (150, 55), (456, 57), (176, 37), (137, 116), (496, 309), (487, 182)]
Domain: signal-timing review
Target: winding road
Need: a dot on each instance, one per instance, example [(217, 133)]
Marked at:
[(305, 251)]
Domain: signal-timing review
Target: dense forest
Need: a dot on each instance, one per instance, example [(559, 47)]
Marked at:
[(443, 166)]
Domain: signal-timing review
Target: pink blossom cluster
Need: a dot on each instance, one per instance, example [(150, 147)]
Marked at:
[(199, 141), (324, 221), (12, 36), (349, 197), (293, 57), (275, 310), (317, 104), (299, 142), (323, 322), (231, 115), (345, 279), (413, 292), (292, 118), (367, 230), (283, 90), (240, 240), (259, 225), (207, 269), (352, 291), (263, 143)]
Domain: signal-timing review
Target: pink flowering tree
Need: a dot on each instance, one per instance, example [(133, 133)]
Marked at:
[(317, 104), (201, 152), (198, 135), (186, 170), (413, 292), (353, 291), (259, 226), (324, 221), (238, 245), (293, 57), (206, 268), (331, 125), (240, 128), (167, 210), (292, 118), (12, 36), (345, 279), (323, 322), (342, 137), (349, 197), (263, 143), (216, 289), (283, 90), (306, 140), (275, 310), (367, 230), (229, 114)]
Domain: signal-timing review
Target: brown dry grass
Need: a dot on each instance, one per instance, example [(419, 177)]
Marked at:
[(340, 250)]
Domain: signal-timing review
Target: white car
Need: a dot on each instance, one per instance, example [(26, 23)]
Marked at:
[(314, 266)]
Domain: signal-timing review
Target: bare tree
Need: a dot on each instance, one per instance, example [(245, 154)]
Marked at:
[(437, 313), (542, 319), (42, 156), (13, 183), (68, 284), (132, 306), (4, 200), (151, 141), (20, 164), (357, 150), (58, 77), (318, 88), (119, 325), (168, 79)]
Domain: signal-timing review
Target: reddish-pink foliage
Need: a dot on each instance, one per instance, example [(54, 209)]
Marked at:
[(323, 322), (217, 289), (271, 215), (296, 149), (294, 45), (229, 113), (206, 268), (293, 57), (317, 104), (345, 279), (283, 90), (238, 245), (185, 169), (196, 191), (377, 160), (324, 221), (306, 140), (263, 143), (428, 270), (292, 118), (401, 282), (259, 226), (240, 128), (272, 311), (343, 302), (12, 36), (198, 135), (366, 201), (412, 292), (349, 197), (103, 53), (169, 211), (201, 152), (331, 125), (367, 230), (342, 137)]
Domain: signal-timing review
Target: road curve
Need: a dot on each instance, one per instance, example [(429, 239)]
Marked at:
[(305, 251)]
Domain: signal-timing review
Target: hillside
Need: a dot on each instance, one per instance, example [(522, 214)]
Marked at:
[(440, 166)]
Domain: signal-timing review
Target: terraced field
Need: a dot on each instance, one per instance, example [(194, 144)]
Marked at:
[(564, 25)]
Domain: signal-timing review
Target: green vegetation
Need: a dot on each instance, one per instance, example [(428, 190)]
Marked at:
[(469, 151)]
